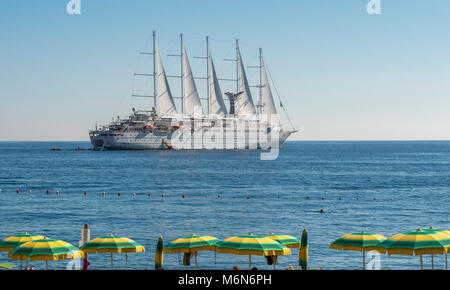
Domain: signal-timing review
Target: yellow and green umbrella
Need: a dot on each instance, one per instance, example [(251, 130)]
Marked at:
[(358, 242), (45, 250), (446, 250), (159, 255), (303, 255), (111, 244), (285, 240), (13, 242), (251, 245), (419, 242), (191, 244)]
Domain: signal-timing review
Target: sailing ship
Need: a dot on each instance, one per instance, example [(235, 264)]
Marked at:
[(243, 125)]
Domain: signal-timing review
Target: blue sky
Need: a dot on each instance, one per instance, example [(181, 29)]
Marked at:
[(343, 74)]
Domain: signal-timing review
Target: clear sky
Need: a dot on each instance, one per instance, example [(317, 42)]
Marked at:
[(343, 74)]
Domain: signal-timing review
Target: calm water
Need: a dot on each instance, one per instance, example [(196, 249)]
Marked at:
[(410, 181)]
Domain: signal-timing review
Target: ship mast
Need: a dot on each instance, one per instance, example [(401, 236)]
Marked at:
[(207, 78), (260, 104), (154, 69), (154, 75)]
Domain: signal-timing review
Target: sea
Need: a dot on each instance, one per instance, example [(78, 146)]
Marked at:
[(385, 187)]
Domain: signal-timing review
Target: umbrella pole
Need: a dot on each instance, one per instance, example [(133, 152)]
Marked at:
[(421, 263), (46, 265), (364, 260), (249, 262), (432, 262), (446, 265), (111, 261), (27, 263)]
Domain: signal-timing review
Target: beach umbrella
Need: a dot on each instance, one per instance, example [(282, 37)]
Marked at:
[(419, 242), (303, 255), (159, 255), (285, 240), (191, 244), (358, 242), (251, 245), (447, 249), (45, 250), (113, 245), (13, 242)]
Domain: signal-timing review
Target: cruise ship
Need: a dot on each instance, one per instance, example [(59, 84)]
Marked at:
[(242, 125)]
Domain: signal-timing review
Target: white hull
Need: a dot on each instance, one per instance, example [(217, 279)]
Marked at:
[(164, 141)]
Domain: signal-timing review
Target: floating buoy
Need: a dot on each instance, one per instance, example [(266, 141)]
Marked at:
[(48, 191), (57, 192), (182, 196), (85, 193), (149, 194), (118, 194)]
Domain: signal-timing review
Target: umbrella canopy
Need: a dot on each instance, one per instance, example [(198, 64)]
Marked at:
[(112, 244), (13, 242), (159, 255), (358, 242), (419, 242), (192, 243), (303, 256), (47, 250), (251, 245), (288, 241)]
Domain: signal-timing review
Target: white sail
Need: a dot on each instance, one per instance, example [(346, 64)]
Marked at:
[(216, 102), (269, 105), (193, 106), (166, 103), (246, 106)]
